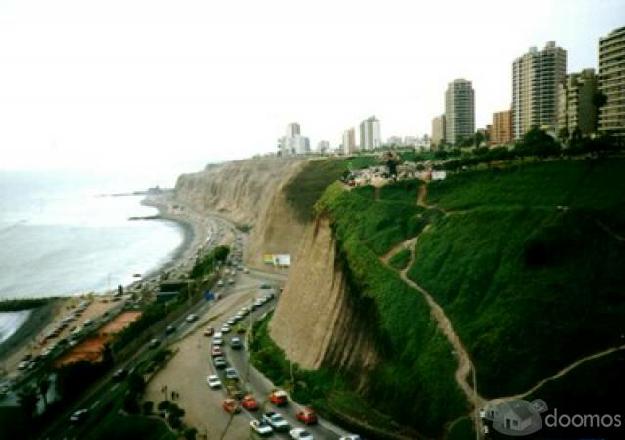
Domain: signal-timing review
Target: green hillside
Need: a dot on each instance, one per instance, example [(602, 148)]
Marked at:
[(526, 261), (528, 264)]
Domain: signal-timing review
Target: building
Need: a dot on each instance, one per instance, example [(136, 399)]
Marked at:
[(292, 129), (612, 82), (438, 130), (323, 147), (459, 111), (535, 79), (293, 142), (502, 128), (411, 141), (370, 134), (577, 111), (349, 142)]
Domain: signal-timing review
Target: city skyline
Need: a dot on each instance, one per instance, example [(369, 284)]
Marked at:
[(73, 94)]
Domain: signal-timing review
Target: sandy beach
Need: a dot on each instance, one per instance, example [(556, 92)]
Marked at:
[(24, 339)]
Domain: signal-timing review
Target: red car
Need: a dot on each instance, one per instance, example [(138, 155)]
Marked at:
[(278, 397), (307, 416), (231, 406), (249, 403), (216, 351)]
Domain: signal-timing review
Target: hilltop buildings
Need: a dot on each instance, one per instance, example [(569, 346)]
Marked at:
[(459, 111), (348, 146), (612, 82), (535, 79), (577, 112), (293, 142), (501, 132)]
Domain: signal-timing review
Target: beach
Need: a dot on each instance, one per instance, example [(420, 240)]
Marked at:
[(23, 328)]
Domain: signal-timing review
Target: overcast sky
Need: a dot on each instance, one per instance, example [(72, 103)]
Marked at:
[(174, 84)]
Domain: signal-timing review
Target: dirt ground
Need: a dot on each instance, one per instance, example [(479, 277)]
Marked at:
[(186, 374)]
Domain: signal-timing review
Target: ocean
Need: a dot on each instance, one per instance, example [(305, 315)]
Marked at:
[(63, 234)]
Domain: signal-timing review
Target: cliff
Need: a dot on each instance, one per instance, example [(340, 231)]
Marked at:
[(248, 192)]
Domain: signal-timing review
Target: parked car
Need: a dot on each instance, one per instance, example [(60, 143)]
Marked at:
[(276, 421), (261, 427), (192, 318), (231, 406), (236, 343), (79, 415), (301, 434), (119, 375), (170, 329), (350, 437), (307, 416), (218, 341), (220, 362), (153, 343), (220, 283), (231, 321), (216, 351), (232, 374), (279, 397), (249, 403), (225, 328), (213, 381)]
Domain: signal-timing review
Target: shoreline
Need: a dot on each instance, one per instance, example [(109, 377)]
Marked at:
[(194, 232)]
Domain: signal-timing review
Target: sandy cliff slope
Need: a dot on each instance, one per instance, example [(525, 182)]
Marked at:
[(248, 192), (316, 321)]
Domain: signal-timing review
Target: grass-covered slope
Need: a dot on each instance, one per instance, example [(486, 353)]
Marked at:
[(528, 264), (415, 382)]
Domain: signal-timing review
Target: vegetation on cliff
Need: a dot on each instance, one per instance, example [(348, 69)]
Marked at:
[(529, 258)]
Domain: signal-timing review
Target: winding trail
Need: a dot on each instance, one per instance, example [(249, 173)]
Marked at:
[(465, 365)]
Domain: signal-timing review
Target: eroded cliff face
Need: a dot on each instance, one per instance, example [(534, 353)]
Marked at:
[(248, 192), (317, 322)]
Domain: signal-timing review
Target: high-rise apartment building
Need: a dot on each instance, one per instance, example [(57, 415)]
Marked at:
[(502, 128), (293, 129), (370, 134), (323, 147), (438, 130), (576, 104), (459, 111), (535, 79), (612, 82), (349, 141)]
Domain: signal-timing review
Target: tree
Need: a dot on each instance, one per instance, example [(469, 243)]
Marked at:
[(563, 134), (599, 99), (478, 138), (43, 385), (27, 399)]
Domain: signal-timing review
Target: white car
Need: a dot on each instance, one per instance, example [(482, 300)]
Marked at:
[(225, 328), (79, 415), (350, 437), (218, 341), (276, 421), (261, 427), (191, 318), (220, 283), (213, 381), (300, 434)]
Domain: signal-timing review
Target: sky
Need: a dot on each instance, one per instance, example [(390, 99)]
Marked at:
[(152, 86)]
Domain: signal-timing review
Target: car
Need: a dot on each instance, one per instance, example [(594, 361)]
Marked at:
[(231, 321), (119, 375), (276, 421), (232, 374), (216, 351), (218, 335), (209, 331), (220, 362), (153, 343), (307, 416), (218, 341), (239, 316), (23, 365), (87, 323), (213, 381), (350, 437), (192, 318), (79, 415), (279, 397), (236, 343), (265, 286), (220, 283), (231, 281), (261, 427), (249, 402), (244, 311), (246, 270), (170, 329), (300, 434), (231, 406), (225, 328)]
